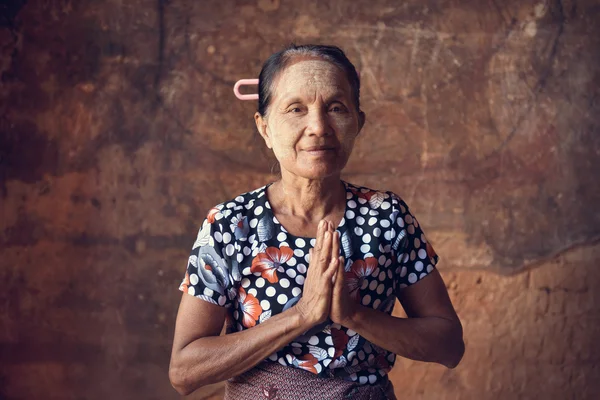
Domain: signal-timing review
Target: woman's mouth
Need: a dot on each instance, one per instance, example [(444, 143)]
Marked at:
[(320, 150)]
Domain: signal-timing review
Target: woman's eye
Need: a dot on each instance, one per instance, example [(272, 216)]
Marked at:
[(294, 110), (336, 109)]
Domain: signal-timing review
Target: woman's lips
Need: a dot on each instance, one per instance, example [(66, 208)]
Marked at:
[(319, 150)]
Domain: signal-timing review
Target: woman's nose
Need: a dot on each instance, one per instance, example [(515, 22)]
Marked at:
[(318, 123)]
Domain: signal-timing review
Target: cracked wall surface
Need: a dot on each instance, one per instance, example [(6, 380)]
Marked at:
[(119, 130)]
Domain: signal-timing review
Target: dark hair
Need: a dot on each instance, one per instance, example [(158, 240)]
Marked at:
[(280, 60)]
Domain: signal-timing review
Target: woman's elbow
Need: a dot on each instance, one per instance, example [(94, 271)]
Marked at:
[(181, 380), (456, 354)]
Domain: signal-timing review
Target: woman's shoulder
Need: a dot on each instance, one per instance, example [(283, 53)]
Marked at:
[(240, 206), (378, 199)]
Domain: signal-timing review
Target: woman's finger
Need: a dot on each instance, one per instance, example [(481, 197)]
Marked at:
[(324, 255)]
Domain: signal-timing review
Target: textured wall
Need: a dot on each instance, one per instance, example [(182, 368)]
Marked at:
[(119, 129)]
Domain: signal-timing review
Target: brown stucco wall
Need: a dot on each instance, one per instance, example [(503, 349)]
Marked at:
[(119, 130)]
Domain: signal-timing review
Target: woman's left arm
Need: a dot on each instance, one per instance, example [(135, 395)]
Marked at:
[(432, 332)]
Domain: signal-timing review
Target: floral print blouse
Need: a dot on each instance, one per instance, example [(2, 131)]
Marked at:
[(245, 260)]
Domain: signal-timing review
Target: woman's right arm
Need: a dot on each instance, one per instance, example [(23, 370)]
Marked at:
[(200, 356)]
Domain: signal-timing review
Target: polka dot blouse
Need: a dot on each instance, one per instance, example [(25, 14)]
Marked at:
[(245, 260)]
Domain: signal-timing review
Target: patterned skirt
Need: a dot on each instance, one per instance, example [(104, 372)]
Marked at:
[(271, 381)]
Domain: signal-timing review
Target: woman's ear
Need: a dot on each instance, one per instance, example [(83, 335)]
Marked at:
[(261, 126), (362, 118)]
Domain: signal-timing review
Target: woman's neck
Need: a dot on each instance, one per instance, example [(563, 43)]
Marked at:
[(307, 199)]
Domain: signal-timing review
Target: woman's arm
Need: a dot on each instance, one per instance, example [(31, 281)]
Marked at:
[(432, 332), (200, 356)]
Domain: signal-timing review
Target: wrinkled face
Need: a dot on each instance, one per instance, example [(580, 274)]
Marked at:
[(312, 122)]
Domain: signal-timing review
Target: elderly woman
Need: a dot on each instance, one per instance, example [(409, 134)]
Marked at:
[(306, 270)]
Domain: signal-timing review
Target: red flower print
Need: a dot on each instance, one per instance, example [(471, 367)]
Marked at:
[(340, 340), (307, 362), (430, 251), (270, 261), (185, 284), (374, 197), (211, 214), (358, 272), (251, 308)]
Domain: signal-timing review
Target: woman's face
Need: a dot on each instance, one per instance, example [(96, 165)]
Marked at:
[(312, 121)]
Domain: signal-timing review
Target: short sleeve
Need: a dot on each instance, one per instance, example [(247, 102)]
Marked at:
[(210, 273), (414, 254)]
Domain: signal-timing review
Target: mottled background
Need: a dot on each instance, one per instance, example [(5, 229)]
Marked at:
[(119, 130)]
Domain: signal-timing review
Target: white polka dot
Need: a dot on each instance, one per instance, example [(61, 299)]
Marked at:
[(402, 209), (365, 248), (331, 351), (385, 205), (364, 284), (350, 214), (313, 242), (380, 288), (258, 210), (236, 314), (301, 268), (281, 236), (419, 266), (329, 341), (229, 249), (297, 351), (245, 282), (373, 285), (265, 305), (300, 242), (260, 282), (389, 271), (193, 279), (411, 229), (412, 277), (253, 292), (400, 222), (291, 273), (413, 255), (358, 231), (381, 260), (361, 355), (389, 291), (226, 237), (298, 253), (403, 272), (351, 204), (291, 262), (296, 291), (360, 220), (230, 205), (361, 200), (246, 271), (422, 254), (218, 237), (208, 292), (417, 243), (300, 280), (388, 235), (405, 258), (313, 340), (246, 250), (221, 300), (363, 380), (364, 210), (382, 276), (240, 257), (366, 238), (284, 283), (281, 361), (423, 275), (429, 268), (372, 221), (423, 238), (375, 272), (415, 223), (270, 291), (376, 232), (366, 300), (384, 223), (372, 379), (307, 258), (282, 299), (253, 223), (376, 303)]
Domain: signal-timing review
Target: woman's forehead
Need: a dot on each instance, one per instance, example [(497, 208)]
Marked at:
[(308, 76)]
